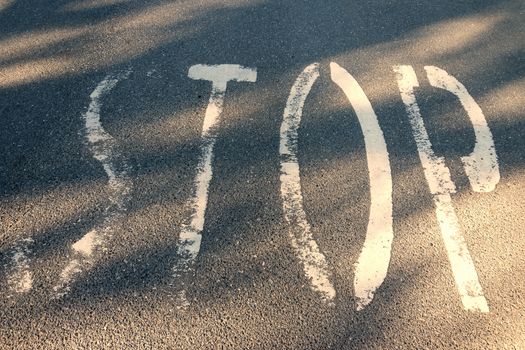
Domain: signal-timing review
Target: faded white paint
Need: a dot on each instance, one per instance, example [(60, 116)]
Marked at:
[(459, 256), (481, 166), (441, 186), (190, 235), (86, 244), (20, 276), (102, 147), (4, 4), (372, 265), (303, 243)]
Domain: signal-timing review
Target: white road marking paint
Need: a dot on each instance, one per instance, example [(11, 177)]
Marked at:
[(372, 265), (441, 186), (20, 278), (4, 4), (190, 236), (306, 248), (103, 148), (86, 244), (481, 165)]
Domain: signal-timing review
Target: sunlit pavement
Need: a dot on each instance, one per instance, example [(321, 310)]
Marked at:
[(262, 174)]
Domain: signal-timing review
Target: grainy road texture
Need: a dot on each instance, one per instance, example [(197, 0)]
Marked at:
[(106, 174)]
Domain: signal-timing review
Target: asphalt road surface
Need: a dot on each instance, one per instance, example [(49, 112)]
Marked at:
[(262, 174)]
